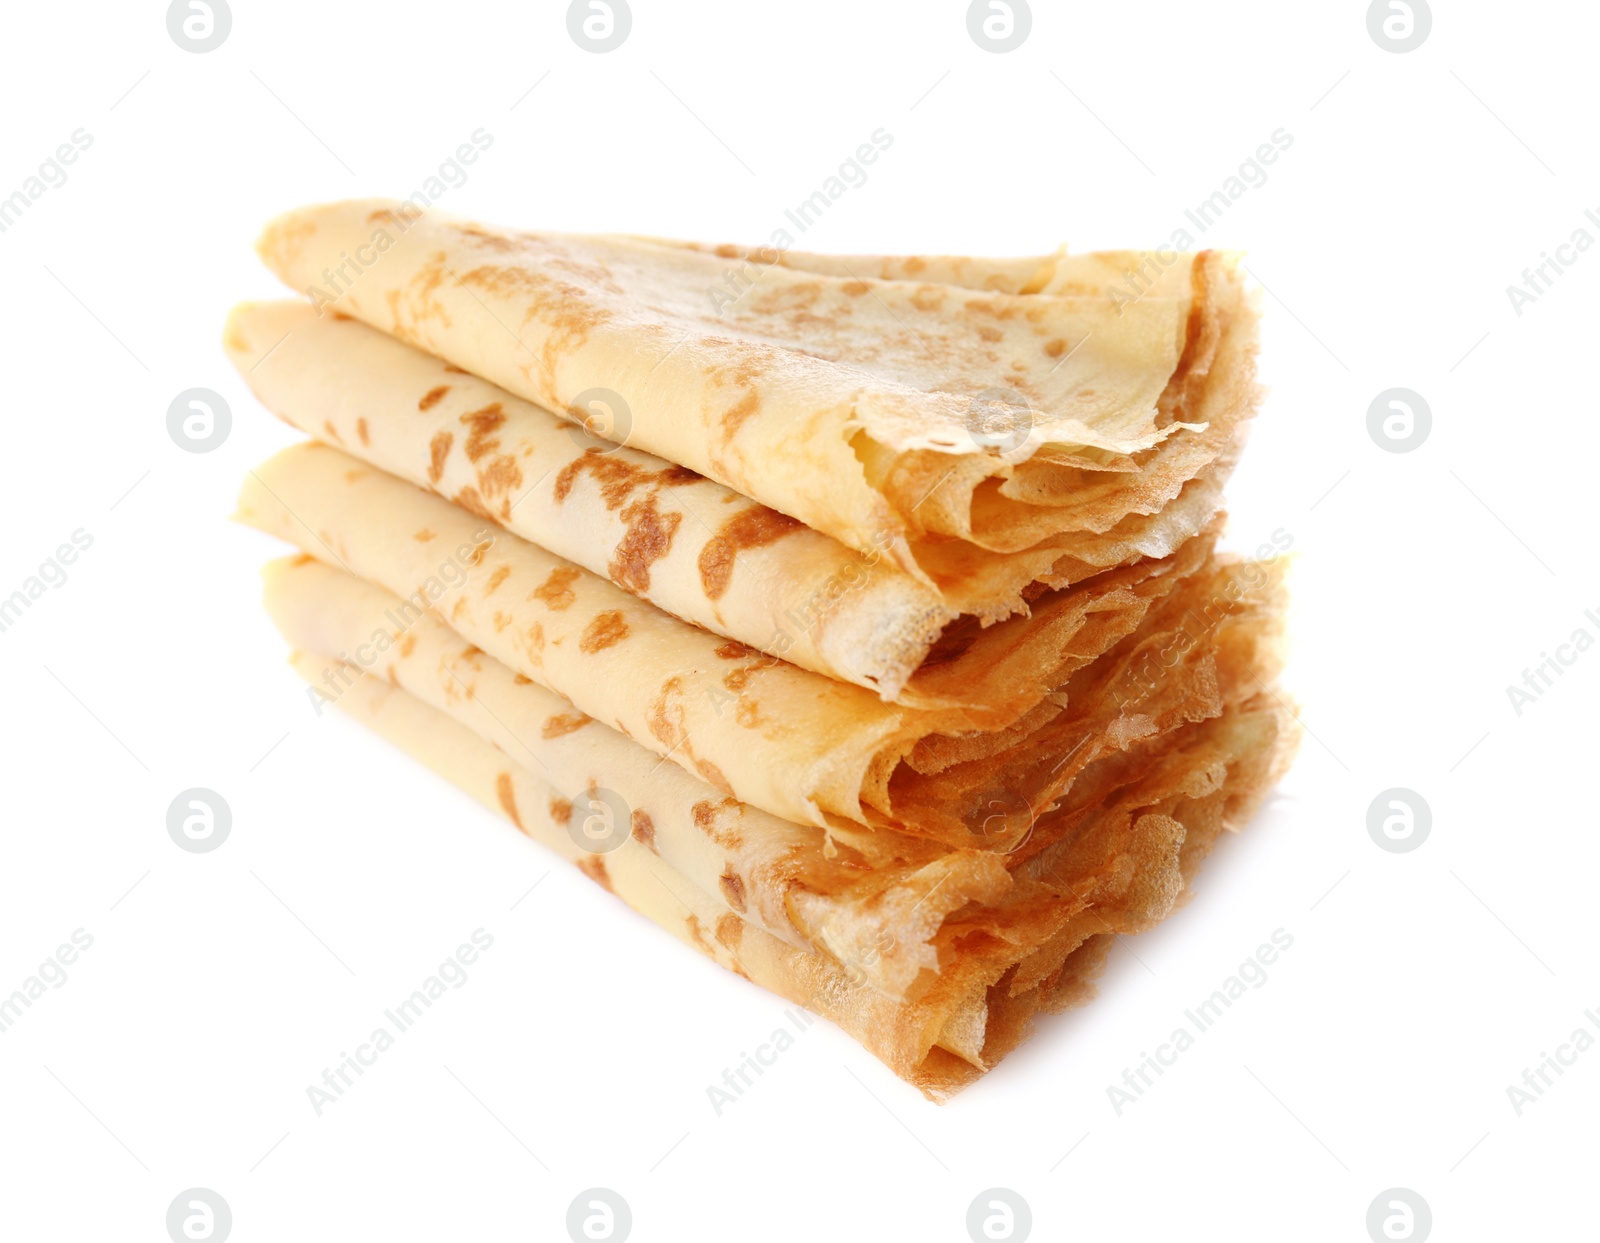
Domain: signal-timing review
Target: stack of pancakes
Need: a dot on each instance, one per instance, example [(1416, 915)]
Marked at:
[(863, 626)]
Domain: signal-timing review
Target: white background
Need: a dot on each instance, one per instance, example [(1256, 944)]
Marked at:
[(1419, 986)]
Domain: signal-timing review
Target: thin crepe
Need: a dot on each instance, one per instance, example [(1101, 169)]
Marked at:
[(983, 1006), (875, 916), (745, 723), (876, 911), (928, 422), (685, 543)]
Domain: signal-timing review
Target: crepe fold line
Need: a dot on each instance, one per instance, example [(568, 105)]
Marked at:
[(920, 420), (876, 910), (983, 1006), (743, 722), (687, 544)]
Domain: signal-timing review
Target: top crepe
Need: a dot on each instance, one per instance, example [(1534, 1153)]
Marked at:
[(929, 420)]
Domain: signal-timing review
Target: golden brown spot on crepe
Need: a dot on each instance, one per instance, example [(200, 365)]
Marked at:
[(732, 650), (644, 831), (484, 423), (712, 774), (617, 477), (342, 317), (730, 931), (986, 306), (754, 527), (424, 535), (914, 265), (438, 448), (489, 241), (928, 297), (733, 891), (736, 679), (562, 724), (561, 810), (567, 309), (1054, 347), (472, 501), (301, 558), (707, 816), (507, 796), (383, 213), (594, 867), (502, 619), (648, 539), (478, 551), (606, 630), (501, 475), (748, 714), (988, 334), (556, 591), (734, 419), (351, 476), (794, 298), (855, 288), (698, 936), (460, 608), (727, 251), (522, 679), (361, 430), (432, 397), (333, 432), (455, 370), (495, 579), (408, 644), (666, 715)]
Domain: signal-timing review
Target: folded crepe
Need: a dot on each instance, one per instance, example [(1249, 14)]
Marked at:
[(880, 913), (745, 723), (907, 563), (1147, 839), (689, 545), (875, 915), (1074, 420)]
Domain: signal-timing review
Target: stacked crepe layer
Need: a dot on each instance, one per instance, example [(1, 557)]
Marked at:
[(905, 723)]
